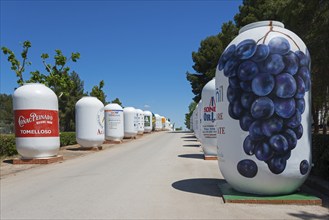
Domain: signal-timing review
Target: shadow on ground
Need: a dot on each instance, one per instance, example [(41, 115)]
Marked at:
[(191, 145), (191, 136), (306, 215), (203, 186), (192, 156), (8, 161)]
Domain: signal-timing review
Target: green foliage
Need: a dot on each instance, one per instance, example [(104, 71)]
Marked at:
[(188, 115), (320, 155), (15, 63), (67, 138), (7, 145), (179, 129), (6, 114), (117, 100), (97, 91)]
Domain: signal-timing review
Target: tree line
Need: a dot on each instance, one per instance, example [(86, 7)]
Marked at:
[(309, 19), (67, 85)]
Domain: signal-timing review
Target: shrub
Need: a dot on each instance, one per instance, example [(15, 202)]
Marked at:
[(67, 138), (7, 145)]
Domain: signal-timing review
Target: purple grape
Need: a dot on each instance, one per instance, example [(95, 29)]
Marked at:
[(255, 131), (246, 86), (262, 108), (247, 168), (230, 67), (247, 70), (237, 108), (284, 108), (291, 138), (263, 152), (303, 59), (245, 49), (231, 113), (272, 126), (273, 64), (263, 84), (291, 63), (249, 146), (299, 131), (285, 85), (277, 164), (304, 73), (247, 98), (300, 88), (304, 167), (245, 121), (300, 105), (233, 94), (279, 143), (279, 45), (234, 82), (225, 56), (295, 120), (286, 156), (262, 51)]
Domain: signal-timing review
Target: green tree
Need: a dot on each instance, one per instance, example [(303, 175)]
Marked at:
[(57, 77), (6, 114), (117, 100), (188, 115), (97, 91)]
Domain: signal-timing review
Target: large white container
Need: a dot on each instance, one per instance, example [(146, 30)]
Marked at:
[(114, 122), (199, 116), (163, 121), (195, 121), (89, 122), (208, 120), (36, 121), (130, 122), (263, 89), (147, 121), (140, 118), (158, 122)]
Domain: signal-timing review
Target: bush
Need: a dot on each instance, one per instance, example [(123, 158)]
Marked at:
[(67, 138), (320, 155), (7, 145)]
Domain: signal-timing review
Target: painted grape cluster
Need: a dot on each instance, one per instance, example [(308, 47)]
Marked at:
[(267, 84)]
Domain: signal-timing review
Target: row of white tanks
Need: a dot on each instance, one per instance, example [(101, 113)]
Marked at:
[(37, 122), (96, 123)]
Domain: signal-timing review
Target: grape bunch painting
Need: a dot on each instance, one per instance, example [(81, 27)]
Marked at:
[(267, 85)]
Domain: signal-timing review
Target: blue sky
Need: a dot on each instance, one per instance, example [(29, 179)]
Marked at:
[(141, 49)]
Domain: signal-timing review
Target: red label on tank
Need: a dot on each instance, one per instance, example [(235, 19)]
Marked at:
[(36, 123)]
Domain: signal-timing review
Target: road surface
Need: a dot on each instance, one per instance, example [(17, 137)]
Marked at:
[(158, 176)]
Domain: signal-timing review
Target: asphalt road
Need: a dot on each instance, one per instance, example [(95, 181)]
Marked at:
[(159, 176)]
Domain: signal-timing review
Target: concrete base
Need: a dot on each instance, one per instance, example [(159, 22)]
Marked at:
[(210, 157), (230, 195), (46, 160), (112, 142)]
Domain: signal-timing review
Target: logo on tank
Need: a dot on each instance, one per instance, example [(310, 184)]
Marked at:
[(36, 123), (210, 110)]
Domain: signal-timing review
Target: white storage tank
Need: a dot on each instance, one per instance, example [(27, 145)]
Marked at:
[(163, 122), (158, 122), (147, 121), (89, 122), (140, 124), (208, 120), (130, 122), (36, 121), (113, 122)]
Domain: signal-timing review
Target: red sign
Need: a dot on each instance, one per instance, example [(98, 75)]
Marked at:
[(36, 123)]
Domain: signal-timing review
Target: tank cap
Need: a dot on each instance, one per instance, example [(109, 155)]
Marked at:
[(261, 24)]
